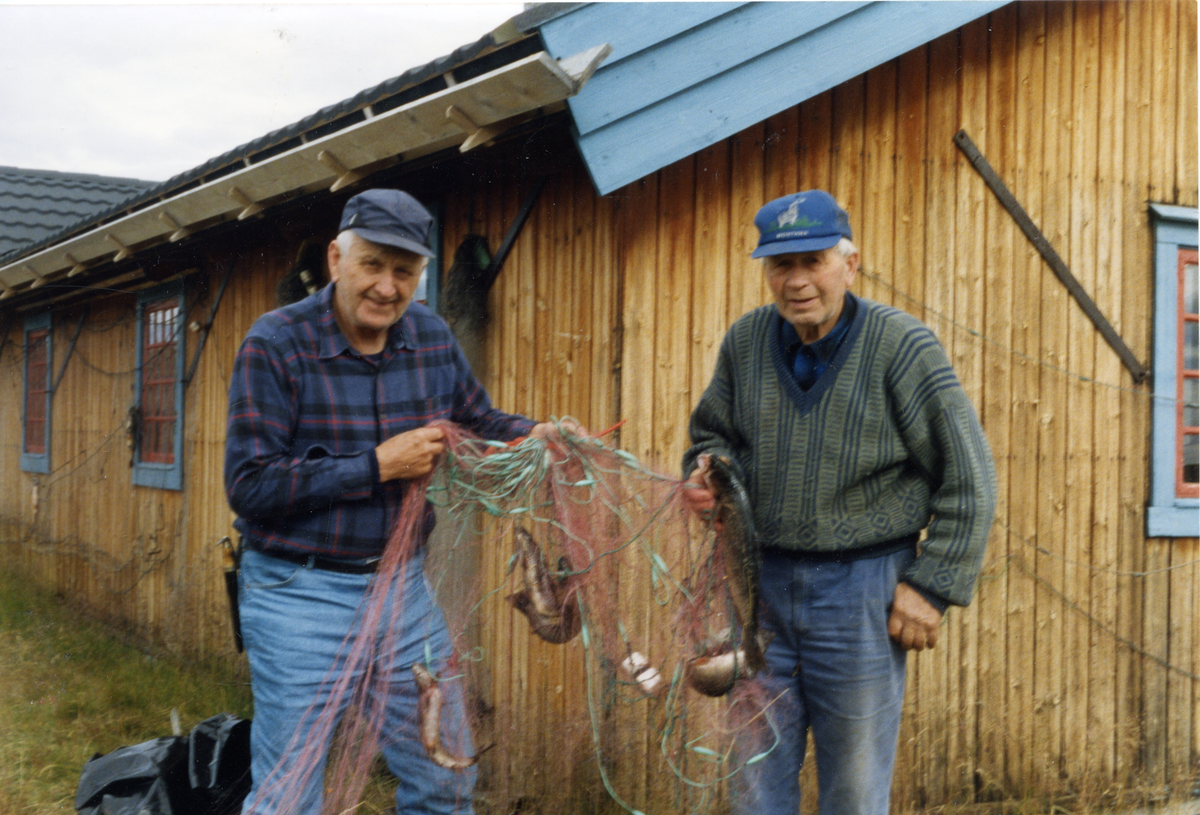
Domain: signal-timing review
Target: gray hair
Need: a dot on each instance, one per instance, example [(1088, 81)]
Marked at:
[(844, 247), (347, 239)]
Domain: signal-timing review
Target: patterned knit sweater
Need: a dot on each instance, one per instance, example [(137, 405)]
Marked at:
[(883, 445)]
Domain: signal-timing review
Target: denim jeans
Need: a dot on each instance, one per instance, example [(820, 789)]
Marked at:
[(833, 670), (294, 621)]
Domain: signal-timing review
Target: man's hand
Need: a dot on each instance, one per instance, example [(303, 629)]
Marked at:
[(697, 495), (411, 454), (550, 430), (914, 621)]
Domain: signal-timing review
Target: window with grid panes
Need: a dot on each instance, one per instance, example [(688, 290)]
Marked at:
[(158, 381), (35, 436), (1187, 483), (158, 458)]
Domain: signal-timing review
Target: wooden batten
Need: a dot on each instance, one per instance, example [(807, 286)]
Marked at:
[(123, 251), (38, 279), (179, 231), (249, 206), (345, 176), (76, 266), (476, 134)]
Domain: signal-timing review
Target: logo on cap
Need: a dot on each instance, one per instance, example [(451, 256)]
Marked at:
[(801, 222), (792, 217)]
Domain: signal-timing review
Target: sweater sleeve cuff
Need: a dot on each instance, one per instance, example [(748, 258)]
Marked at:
[(937, 602)]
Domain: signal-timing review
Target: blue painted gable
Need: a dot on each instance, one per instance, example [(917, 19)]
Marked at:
[(683, 76)]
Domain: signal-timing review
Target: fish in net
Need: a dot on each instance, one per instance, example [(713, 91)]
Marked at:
[(599, 630)]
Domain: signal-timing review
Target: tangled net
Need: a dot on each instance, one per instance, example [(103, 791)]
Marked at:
[(578, 591)]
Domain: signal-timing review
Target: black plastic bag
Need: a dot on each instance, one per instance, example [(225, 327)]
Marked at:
[(219, 762), (204, 773), (146, 779)]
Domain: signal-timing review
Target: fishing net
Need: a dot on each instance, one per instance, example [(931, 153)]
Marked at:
[(581, 597)]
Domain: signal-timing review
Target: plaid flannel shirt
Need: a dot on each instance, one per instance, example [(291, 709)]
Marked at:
[(306, 412)]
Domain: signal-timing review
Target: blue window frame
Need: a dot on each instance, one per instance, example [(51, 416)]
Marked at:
[(35, 412), (1174, 509), (158, 455)]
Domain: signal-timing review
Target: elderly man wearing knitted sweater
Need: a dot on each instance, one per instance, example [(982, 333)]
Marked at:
[(852, 435)]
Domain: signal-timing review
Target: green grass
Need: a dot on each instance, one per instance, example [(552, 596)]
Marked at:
[(70, 688)]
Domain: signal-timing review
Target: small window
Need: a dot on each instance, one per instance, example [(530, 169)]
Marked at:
[(160, 352), (1174, 509), (35, 436), (1187, 461)]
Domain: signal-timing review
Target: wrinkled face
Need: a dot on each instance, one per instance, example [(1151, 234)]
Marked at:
[(810, 288), (375, 284)]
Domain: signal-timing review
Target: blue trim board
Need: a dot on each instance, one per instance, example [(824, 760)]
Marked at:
[(629, 28), (652, 76), (1166, 515), (675, 90)]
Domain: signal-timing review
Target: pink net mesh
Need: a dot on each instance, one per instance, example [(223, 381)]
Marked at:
[(578, 592)]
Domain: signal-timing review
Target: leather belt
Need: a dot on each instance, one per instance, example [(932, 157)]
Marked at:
[(362, 566)]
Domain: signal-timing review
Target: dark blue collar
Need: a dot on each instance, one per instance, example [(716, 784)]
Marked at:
[(824, 348)]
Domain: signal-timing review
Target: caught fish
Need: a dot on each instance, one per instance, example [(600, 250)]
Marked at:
[(714, 674), (429, 715), (550, 606)]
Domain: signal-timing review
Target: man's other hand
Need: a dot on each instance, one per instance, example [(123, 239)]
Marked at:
[(697, 495), (411, 454), (551, 431), (913, 622)]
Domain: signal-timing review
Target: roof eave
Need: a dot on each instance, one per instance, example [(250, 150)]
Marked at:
[(464, 114)]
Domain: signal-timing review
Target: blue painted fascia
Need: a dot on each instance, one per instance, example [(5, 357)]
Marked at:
[(684, 76), (675, 65)]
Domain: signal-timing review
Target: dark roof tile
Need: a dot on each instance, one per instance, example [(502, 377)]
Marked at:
[(35, 204)]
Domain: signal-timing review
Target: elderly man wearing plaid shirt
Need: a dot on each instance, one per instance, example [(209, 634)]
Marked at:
[(329, 408)]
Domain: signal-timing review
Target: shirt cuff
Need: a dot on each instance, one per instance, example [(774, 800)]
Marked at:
[(356, 475), (373, 460)]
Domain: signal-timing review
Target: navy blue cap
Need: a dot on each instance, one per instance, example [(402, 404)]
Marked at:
[(806, 221), (390, 217)]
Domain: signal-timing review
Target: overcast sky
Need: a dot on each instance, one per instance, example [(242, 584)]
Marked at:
[(149, 90)]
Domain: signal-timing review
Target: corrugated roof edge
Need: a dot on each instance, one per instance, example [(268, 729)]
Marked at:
[(88, 177), (537, 14), (502, 38)]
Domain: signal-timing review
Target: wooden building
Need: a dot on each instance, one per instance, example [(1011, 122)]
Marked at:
[(1076, 670)]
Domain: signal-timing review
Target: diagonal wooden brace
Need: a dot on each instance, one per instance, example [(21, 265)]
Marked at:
[(1007, 200)]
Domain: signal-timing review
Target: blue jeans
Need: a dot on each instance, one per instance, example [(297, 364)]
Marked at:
[(834, 670), (294, 621)]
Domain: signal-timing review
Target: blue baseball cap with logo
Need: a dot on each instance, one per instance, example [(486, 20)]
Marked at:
[(806, 221), (390, 217)]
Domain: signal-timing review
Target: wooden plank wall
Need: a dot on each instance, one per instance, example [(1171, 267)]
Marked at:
[(1074, 671), (1075, 668)]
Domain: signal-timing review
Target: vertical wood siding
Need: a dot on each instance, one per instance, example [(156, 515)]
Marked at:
[(1075, 668)]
